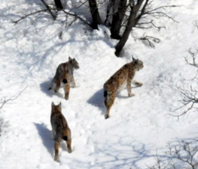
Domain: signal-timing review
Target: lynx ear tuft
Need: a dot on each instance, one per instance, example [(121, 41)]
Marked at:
[(53, 104), (59, 104), (70, 58), (135, 60)]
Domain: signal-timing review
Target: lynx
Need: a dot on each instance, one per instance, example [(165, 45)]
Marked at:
[(123, 77), (60, 128), (64, 74)]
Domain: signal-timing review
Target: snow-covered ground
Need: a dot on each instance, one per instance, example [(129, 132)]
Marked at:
[(31, 50)]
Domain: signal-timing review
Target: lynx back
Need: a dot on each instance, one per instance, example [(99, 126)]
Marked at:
[(65, 74), (123, 77), (60, 128)]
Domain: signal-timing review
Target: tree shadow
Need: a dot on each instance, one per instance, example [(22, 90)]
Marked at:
[(118, 158), (126, 153), (46, 136), (97, 100)]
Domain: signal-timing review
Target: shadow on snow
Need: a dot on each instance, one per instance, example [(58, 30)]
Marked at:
[(97, 100), (45, 89), (46, 136)]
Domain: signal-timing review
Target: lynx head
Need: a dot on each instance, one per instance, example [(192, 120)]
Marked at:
[(74, 63), (56, 108), (138, 64)]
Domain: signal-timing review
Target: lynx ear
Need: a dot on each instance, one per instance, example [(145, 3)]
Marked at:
[(133, 59), (59, 104), (53, 104), (70, 58)]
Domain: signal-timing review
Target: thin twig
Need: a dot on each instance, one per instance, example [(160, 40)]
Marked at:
[(33, 13), (189, 99), (12, 98)]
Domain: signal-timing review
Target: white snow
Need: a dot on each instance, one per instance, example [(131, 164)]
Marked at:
[(31, 50)]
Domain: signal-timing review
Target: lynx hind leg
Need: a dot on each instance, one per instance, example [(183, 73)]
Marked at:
[(109, 100), (57, 86), (56, 148), (69, 141), (67, 90), (67, 138)]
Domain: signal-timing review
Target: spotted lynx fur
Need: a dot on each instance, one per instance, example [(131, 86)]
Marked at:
[(65, 74), (60, 128), (123, 77)]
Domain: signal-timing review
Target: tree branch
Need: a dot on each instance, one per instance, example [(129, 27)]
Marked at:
[(142, 12), (78, 17), (33, 13), (49, 9)]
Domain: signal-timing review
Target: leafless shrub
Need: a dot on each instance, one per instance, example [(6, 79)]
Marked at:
[(190, 94), (196, 24), (3, 102), (52, 10), (189, 99), (161, 163), (183, 154), (193, 53)]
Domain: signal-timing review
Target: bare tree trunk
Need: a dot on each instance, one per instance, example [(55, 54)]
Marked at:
[(96, 20), (119, 9), (130, 24), (58, 4)]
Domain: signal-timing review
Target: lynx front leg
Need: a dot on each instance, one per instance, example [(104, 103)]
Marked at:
[(129, 89), (67, 89), (56, 148), (109, 100), (73, 82)]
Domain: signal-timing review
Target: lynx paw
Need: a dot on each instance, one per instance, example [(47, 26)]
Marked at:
[(56, 159), (131, 95), (66, 96), (70, 150), (107, 116)]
